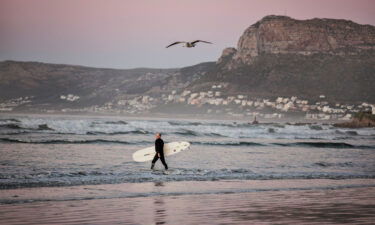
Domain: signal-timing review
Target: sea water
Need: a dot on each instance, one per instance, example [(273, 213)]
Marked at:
[(40, 151)]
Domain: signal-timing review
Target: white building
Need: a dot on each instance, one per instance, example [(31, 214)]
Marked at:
[(185, 93), (287, 106), (194, 95), (279, 100)]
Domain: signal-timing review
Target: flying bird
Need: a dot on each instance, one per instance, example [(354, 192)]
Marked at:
[(188, 44)]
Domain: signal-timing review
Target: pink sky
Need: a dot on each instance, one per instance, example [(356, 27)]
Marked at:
[(134, 33)]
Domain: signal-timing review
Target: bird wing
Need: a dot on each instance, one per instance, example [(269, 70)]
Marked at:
[(175, 43), (193, 42)]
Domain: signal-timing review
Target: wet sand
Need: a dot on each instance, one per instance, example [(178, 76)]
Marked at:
[(315, 201)]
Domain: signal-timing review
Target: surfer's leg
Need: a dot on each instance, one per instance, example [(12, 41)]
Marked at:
[(156, 157), (163, 161)]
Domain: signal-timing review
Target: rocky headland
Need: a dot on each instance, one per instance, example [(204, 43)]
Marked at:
[(280, 55), (360, 120)]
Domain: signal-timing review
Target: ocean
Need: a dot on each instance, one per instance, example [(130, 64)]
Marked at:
[(51, 160)]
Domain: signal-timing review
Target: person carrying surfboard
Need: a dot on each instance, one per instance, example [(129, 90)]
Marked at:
[(159, 149)]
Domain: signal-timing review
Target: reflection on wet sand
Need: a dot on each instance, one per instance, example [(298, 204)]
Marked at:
[(159, 211), (159, 184), (314, 206)]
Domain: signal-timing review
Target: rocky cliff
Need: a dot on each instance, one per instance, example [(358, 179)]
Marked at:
[(279, 55), (284, 35)]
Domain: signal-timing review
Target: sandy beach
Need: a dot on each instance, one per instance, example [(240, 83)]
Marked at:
[(318, 201)]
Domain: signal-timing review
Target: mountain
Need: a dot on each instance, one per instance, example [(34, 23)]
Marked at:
[(281, 56), (46, 83)]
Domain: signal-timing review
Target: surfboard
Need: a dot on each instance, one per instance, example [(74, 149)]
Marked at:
[(171, 148)]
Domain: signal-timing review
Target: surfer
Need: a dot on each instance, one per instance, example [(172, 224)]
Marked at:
[(159, 145), (255, 121)]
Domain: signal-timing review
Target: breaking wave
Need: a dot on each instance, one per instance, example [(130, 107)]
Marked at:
[(185, 132), (193, 129), (44, 127), (232, 143), (59, 141), (324, 145), (340, 145), (328, 164), (117, 133)]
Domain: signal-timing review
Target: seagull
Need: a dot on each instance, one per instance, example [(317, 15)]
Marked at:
[(188, 44)]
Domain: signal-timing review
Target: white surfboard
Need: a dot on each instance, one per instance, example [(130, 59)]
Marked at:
[(172, 148)]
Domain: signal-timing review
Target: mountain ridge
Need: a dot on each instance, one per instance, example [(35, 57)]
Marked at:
[(279, 55)]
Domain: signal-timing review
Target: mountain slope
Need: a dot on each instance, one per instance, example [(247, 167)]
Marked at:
[(95, 86), (282, 56)]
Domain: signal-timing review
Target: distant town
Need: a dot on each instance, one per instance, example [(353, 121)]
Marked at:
[(213, 101)]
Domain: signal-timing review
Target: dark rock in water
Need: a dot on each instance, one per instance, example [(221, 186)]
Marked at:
[(351, 132), (116, 122), (82, 173), (300, 124), (323, 164), (315, 127), (271, 130), (346, 164), (44, 127)]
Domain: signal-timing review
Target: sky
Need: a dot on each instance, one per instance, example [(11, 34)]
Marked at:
[(134, 33)]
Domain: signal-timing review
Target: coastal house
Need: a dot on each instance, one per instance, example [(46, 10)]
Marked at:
[(185, 93)]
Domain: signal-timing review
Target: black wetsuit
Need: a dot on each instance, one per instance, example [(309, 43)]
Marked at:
[(159, 148)]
